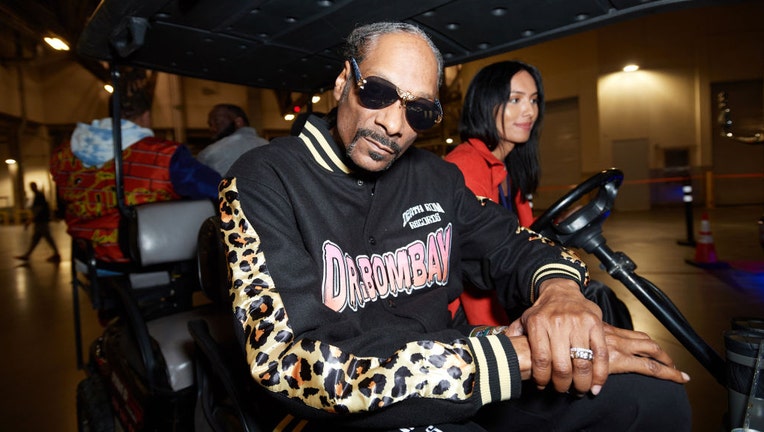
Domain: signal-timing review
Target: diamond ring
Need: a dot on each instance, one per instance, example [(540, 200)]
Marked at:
[(581, 353)]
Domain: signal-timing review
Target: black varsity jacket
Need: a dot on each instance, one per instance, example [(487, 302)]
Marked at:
[(341, 282)]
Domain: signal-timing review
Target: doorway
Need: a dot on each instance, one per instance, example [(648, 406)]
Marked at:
[(631, 157)]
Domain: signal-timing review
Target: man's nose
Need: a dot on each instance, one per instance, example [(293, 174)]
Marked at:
[(393, 118)]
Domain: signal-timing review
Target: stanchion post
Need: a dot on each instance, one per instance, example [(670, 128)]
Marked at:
[(689, 221)]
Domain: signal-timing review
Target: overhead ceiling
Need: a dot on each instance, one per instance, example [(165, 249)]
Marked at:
[(294, 44), (33, 18), (24, 23)]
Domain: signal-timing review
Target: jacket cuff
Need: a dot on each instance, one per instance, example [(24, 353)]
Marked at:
[(498, 368), (556, 271)]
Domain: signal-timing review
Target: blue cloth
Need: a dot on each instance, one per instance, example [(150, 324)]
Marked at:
[(93, 143), (191, 178)]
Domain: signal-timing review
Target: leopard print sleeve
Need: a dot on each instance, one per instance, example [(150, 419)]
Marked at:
[(320, 375)]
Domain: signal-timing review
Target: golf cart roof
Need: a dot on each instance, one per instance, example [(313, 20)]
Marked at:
[(294, 44)]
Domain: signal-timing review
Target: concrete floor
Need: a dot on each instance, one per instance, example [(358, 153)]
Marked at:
[(39, 374)]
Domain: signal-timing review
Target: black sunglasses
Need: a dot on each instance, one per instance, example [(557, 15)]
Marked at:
[(377, 93)]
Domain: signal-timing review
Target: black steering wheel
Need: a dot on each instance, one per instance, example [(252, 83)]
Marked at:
[(594, 212)]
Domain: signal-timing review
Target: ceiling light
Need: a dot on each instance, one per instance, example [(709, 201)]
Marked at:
[(108, 88), (57, 44), (289, 117), (631, 68), (315, 99), (10, 161)]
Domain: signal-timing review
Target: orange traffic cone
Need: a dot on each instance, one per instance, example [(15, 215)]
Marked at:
[(705, 251)]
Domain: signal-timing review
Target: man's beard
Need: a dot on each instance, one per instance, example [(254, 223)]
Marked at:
[(231, 128), (382, 140)]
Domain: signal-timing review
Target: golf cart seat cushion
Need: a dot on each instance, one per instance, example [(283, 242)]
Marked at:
[(166, 232), (211, 260), (176, 344)]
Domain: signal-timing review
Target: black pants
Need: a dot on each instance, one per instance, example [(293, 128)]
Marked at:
[(41, 231), (627, 402)]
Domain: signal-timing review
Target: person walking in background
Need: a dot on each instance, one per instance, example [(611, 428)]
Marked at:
[(233, 136), (154, 170), (41, 221), (500, 128)]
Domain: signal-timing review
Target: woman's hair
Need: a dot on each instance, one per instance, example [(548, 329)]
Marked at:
[(487, 95), (365, 37)]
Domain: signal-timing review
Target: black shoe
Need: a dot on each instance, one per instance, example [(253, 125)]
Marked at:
[(54, 259), (22, 257)]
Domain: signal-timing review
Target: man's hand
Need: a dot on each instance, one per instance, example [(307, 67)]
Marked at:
[(628, 352), (562, 318), (632, 351)]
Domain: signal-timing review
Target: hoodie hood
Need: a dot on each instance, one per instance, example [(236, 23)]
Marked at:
[(92, 143)]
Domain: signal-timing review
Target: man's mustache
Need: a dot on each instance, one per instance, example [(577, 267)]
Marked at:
[(381, 139)]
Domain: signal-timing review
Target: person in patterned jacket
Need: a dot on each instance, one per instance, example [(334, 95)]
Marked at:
[(345, 245), (154, 169)]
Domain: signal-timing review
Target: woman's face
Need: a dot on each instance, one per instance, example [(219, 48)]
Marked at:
[(520, 112)]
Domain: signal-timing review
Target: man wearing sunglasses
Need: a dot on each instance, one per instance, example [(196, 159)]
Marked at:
[(345, 246)]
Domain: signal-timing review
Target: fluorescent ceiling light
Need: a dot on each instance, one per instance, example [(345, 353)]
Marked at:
[(57, 44)]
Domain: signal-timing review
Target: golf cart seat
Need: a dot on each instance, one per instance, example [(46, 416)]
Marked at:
[(161, 273), (151, 357)]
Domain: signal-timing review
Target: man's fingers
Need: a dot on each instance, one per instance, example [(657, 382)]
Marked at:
[(541, 358), (630, 352), (651, 349), (563, 367), (633, 343), (601, 360), (582, 375), (651, 367), (515, 329)]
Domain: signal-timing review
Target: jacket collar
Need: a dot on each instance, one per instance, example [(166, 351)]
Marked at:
[(498, 169), (326, 152), (482, 149)]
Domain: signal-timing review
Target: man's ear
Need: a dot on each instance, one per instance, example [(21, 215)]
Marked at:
[(341, 81), (239, 122)]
